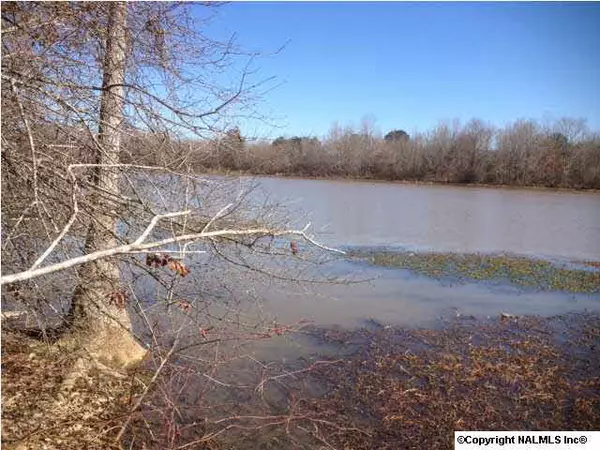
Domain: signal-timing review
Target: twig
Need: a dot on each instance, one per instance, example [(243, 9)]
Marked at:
[(155, 220), (216, 216), (66, 228)]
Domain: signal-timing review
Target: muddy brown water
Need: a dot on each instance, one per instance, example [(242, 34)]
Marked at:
[(557, 225), (562, 225), (447, 218)]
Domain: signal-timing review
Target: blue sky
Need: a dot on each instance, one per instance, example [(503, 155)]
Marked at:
[(412, 65)]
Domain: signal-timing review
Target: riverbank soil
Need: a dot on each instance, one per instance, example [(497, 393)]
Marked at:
[(38, 414), (383, 387)]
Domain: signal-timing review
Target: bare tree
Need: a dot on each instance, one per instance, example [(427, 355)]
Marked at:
[(87, 228), (73, 46), (93, 319)]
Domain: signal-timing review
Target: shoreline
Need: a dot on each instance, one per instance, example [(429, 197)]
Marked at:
[(537, 188), (398, 387), (463, 374)]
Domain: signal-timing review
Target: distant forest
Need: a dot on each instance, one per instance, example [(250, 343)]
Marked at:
[(524, 153)]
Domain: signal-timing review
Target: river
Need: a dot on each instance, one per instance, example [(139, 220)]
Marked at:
[(556, 225), (448, 218)]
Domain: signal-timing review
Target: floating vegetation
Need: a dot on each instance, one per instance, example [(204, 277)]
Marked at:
[(525, 272), (414, 388)]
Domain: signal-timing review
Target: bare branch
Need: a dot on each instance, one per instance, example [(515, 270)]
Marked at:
[(125, 249), (154, 221)]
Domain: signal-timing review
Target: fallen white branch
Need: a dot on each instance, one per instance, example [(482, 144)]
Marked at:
[(197, 252), (136, 247), (73, 217)]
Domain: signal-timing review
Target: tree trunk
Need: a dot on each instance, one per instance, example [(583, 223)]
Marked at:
[(96, 323)]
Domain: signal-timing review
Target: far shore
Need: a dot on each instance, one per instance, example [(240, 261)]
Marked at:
[(236, 173)]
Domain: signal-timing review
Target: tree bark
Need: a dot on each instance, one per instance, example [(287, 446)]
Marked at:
[(103, 327)]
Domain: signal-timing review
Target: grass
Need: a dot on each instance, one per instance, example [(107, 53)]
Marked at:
[(525, 272)]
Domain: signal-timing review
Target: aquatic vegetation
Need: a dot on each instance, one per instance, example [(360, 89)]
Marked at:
[(525, 272)]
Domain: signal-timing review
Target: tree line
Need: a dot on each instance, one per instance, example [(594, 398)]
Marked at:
[(523, 153)]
